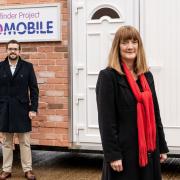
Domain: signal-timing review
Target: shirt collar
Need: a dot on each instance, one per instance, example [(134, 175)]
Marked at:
[(12, 65)]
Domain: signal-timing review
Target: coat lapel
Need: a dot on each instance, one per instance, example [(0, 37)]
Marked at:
[(121, 79), (18, 66), (7, 68), (149, 78)]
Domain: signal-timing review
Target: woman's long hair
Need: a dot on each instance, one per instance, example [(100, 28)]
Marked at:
[(127, 33)]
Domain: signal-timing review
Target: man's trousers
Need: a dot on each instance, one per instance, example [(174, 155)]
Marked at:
[(25, 151)]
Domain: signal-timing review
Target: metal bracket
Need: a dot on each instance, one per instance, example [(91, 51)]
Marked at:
[(78, 98), (78, 68), (79, 5)]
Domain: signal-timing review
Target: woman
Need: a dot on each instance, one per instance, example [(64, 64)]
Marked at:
[(129, 119)]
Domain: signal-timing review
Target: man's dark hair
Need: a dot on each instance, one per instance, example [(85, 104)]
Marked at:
[(13, 42)]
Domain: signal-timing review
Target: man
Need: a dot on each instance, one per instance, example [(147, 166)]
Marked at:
[(18, 106)]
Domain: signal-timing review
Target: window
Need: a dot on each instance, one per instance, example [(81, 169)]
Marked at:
[(105, 12)]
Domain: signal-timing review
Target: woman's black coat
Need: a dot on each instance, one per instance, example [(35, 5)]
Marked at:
[(117, 116), (18, 96)]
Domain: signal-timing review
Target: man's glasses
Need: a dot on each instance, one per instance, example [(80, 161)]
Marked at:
[(13, 49)]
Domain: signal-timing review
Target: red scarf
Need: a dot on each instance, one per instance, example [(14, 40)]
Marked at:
[(145, 116)]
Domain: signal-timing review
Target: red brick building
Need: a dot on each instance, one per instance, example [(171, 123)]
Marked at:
[(51, 63)]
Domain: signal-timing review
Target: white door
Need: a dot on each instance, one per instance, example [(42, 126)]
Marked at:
[(94, 23)]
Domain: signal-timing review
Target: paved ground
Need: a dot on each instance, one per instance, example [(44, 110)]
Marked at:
[(60, 166), (71, 166), (171, 169)]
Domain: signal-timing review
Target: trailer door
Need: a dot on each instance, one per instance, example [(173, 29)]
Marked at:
[(162, 49), (94, 23)]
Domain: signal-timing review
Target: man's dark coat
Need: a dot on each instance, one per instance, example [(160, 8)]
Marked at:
[(18, 96), (117, 114)]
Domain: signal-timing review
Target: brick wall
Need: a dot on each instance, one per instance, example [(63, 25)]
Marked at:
[(51, 62)]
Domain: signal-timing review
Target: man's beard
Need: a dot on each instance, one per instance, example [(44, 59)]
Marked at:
[(14, 58)]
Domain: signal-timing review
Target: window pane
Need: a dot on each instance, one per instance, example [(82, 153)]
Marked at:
[(105, 12)]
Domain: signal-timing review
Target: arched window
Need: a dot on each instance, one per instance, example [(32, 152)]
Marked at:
[(105, 12)]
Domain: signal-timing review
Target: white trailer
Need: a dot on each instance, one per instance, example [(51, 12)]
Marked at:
[(94, 23)]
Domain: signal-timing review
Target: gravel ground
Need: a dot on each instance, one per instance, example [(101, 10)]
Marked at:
[(59, 166), (71, 166)]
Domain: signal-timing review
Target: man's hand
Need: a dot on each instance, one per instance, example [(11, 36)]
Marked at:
[(117, 165), (32, 114)]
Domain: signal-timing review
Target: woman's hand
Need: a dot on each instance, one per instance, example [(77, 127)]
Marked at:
[(117, 165), (163, 157)]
